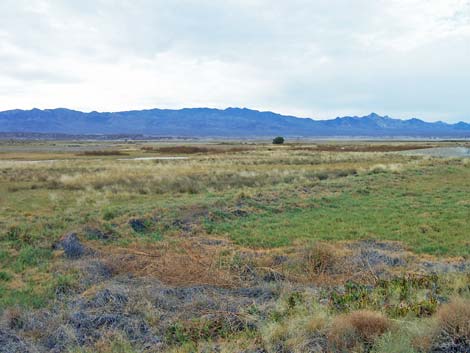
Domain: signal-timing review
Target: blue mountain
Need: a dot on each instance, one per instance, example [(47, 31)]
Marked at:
[(230, 122)]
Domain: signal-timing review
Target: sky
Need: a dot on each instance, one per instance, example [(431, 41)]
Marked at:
[(315, 58)]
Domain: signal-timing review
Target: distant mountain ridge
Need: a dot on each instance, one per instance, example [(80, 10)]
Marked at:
[(228, 123)]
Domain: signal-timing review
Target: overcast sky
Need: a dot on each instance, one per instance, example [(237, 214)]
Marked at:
[(315, 58)]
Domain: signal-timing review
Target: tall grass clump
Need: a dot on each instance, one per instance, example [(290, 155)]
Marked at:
[(297, 325), (357, 331), (320, 258)]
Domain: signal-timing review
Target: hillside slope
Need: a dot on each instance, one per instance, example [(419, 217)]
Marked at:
[(231, 122)]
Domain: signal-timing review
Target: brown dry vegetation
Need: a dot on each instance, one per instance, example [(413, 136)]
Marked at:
[(189, 262), (195, 149), (454, 321), (321, 259), (103, 153), (357, 331), (185, 264)]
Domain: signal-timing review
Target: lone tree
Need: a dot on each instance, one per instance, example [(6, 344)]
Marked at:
[(278, 140)]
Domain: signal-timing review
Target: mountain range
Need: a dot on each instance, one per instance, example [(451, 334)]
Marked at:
[(227, 123)]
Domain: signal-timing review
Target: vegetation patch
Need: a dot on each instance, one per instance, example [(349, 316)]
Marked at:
[(194, 149), (243, 247), (103, 153)]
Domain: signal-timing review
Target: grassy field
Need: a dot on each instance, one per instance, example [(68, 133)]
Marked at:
[(233, 214)]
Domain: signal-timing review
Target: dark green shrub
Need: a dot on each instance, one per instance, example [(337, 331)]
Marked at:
[(5, 276)]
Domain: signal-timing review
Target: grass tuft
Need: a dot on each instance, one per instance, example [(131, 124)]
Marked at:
[(357, 331)]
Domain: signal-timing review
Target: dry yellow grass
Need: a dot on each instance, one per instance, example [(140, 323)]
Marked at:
[(186, 263), (260, 167)]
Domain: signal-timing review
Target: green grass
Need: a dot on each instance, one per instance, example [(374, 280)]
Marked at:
[(429, 213), (31, 257)]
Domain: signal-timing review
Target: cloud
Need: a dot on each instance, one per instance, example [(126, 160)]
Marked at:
[(315, 58)]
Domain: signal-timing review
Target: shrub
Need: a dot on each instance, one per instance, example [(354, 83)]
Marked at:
[(345, 173), (454, 325), (13, 318), (322, 175), (278, 140), (109, 214), (357, 331), (404, 295), (320, 258)]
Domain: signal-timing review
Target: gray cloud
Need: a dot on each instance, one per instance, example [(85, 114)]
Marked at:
[(315, 58)]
